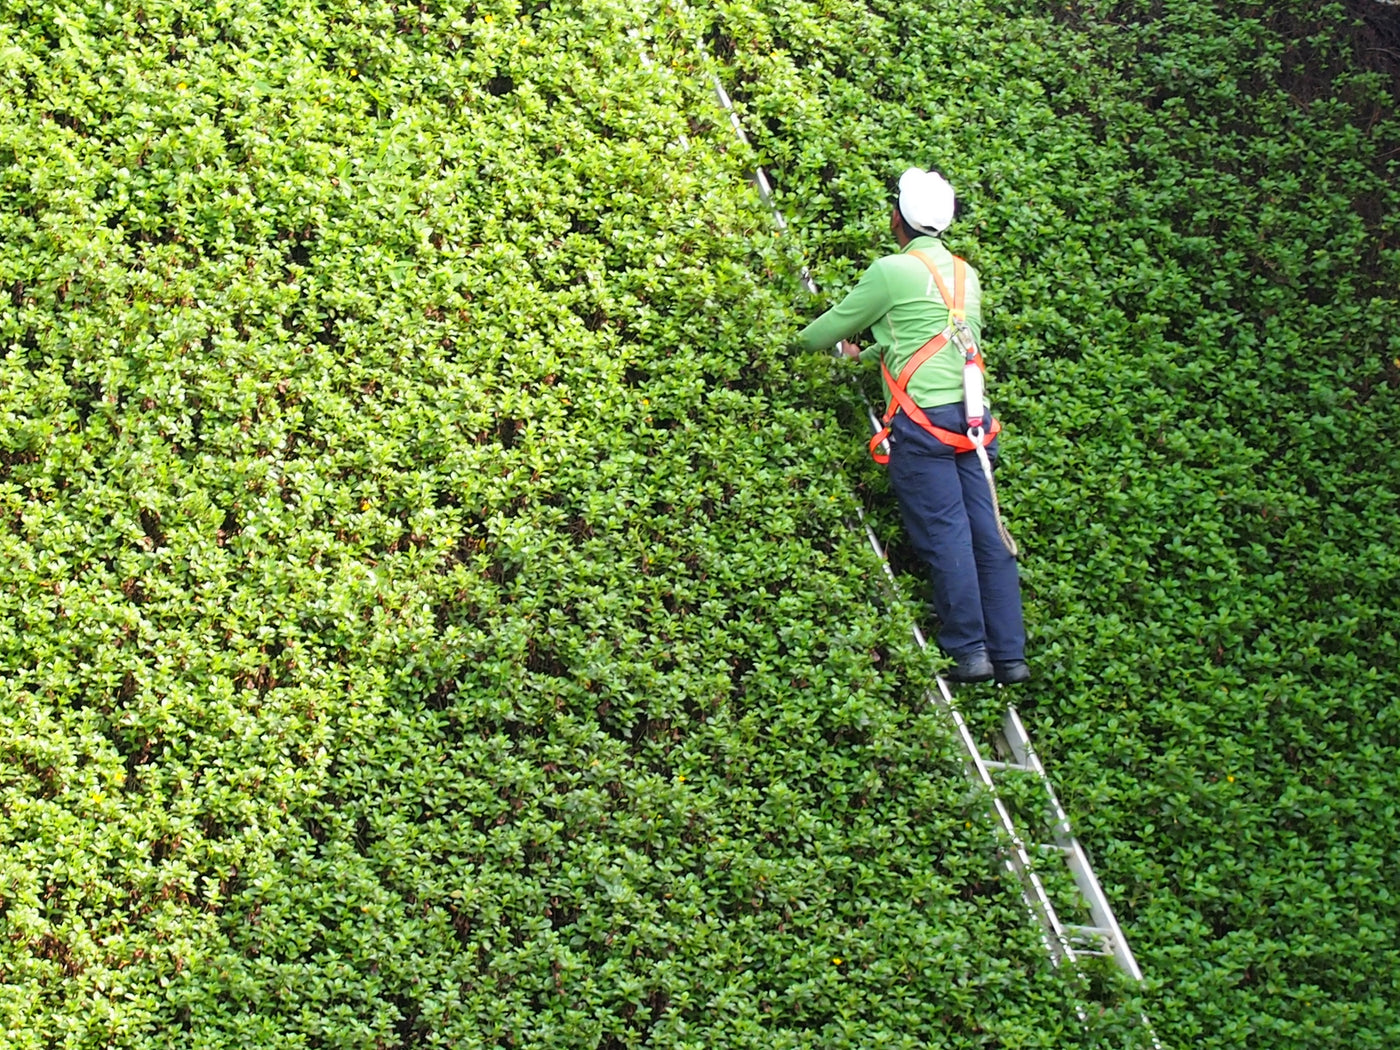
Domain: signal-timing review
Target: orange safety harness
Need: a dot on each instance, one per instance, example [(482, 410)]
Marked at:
[(958, 333)]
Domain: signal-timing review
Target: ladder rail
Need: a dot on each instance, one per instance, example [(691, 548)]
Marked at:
[(1081, 868), (1017, 857)]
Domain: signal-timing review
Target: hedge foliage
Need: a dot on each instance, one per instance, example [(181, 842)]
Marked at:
[(1187, 214), (431, 613), (430, 618)]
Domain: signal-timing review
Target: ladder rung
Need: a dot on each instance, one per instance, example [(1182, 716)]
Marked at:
[(1015, 767), (1098, 933)]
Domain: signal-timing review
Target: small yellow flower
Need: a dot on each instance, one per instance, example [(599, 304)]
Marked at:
[(680, 777), (837, 960), (182, 86), (1230, 779)]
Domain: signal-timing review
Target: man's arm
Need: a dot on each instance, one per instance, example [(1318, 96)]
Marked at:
[(866, 303)]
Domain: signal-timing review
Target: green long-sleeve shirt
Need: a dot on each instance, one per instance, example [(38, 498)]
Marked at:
[(899, 302)]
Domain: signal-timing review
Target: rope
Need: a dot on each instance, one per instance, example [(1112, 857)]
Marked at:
[(1007, 541)]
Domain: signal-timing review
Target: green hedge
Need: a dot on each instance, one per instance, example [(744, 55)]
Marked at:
[(1185, 214), (431, 613)]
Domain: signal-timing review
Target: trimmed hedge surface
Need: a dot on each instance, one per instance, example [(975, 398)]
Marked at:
[(1186, 213), (431, 615)]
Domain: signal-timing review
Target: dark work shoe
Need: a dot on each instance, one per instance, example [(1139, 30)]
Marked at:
[(1011, 672), (972, 667)]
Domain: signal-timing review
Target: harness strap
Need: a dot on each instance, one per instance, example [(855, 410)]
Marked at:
[(914, 363), (953, 302), (898, 386)]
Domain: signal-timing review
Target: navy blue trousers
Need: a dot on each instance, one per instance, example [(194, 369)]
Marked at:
[(948, 515)]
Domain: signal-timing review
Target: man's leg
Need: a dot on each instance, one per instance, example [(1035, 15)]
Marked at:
[(925, 478), (996, 568)]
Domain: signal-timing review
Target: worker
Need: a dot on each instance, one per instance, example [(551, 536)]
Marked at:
[(909, 301)]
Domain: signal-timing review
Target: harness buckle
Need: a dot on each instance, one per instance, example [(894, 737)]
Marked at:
[(963, 340)]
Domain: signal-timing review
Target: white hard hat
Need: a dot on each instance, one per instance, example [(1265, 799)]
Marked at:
[(925, 200)]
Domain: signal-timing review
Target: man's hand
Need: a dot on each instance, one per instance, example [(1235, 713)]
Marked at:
[(848, 348)]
